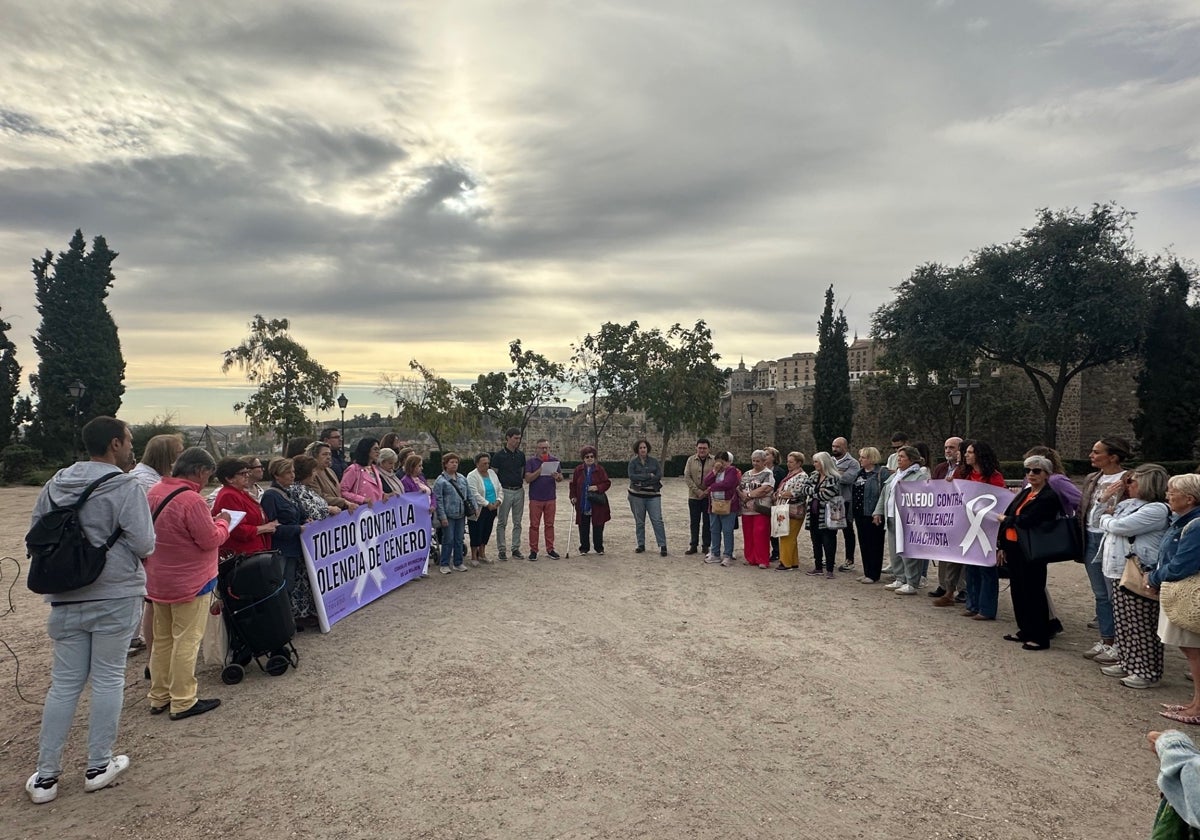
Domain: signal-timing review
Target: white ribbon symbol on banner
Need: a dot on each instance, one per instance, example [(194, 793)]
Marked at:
[(975, 515)]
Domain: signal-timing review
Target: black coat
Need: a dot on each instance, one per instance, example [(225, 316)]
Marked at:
[(1042, 508)]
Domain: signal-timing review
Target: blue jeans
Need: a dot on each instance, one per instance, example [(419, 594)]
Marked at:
[(452, 541), (642, 505), (983, 590), (722, 533), (91, 643), (1101, 587)]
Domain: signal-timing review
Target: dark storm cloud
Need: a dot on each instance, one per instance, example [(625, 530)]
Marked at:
[(667, 161)]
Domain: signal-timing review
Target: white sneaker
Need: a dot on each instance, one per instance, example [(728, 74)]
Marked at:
[(43, 793), (1111, 655), (712, 558), (865, 579), (1114, 671), (1094, 651), (117, 765), (906, 590), (444, 569), (923, 582), (1134, 681), (896, 584)]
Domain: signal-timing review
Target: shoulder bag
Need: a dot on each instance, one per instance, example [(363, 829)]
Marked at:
[(1133, 579), (1053, 541)]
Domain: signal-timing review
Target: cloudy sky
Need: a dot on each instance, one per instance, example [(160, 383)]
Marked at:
[(433, 179)]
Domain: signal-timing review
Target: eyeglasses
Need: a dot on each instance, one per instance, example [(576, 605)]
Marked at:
[(244, 472), (1033, 471), (585, 457)]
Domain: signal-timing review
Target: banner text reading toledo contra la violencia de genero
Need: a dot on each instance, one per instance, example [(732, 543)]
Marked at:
[(356, 557)]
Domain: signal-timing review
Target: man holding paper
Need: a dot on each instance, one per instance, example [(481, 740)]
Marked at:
[(542, 474)]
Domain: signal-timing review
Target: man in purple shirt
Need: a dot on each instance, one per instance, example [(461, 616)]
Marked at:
[(543, 492)]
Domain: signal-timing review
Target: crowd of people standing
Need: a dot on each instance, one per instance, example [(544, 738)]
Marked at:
[(1139, 516)]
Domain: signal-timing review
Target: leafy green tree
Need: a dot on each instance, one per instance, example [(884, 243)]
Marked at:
[(287, 380), (833, 412), (429, 403), (1069, 294), (510, 399), (158, 425), (1168, 417), (76, 340), (604, 369), (11, 408), (679, 383)]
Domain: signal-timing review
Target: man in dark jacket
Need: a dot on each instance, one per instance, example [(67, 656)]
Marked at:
[(509, 464)]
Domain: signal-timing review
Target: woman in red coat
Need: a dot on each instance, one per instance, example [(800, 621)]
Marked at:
[(588, 480), (252, 534)]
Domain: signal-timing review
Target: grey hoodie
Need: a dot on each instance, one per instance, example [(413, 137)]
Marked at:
[(118, 501)]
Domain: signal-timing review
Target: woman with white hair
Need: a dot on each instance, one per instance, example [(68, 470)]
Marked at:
[(756, 486), (906, 571), (823, 522), (1035, 505), (1179, 559)]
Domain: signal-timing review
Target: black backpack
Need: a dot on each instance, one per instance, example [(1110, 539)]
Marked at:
[(60, 556)]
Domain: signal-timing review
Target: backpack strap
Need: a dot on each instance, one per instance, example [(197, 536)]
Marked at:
[(163, 503), (83, 497)]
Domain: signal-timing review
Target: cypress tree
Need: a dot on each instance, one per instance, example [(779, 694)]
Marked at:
[(76, 340), (833, 411), (1168, 417), (10, 384)]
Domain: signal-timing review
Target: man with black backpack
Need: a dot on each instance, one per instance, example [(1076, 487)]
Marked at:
[(91, 624)]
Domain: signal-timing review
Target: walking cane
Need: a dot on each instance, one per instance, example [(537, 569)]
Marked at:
[(569, 526)]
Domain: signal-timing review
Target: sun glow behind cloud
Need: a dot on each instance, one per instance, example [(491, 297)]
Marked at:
[(433, 179)]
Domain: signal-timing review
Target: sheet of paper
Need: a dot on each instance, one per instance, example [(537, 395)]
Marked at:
[(549, 468), (235, 516)]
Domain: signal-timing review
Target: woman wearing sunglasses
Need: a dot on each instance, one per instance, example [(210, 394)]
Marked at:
[(1034, 505)]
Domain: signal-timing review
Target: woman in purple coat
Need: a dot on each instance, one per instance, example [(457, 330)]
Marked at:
[(720, 486)]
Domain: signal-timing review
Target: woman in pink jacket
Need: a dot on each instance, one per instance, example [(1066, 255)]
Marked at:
[(362, 482), (180, 577)]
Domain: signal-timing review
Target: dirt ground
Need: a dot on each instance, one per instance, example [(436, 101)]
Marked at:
[(617, 697)]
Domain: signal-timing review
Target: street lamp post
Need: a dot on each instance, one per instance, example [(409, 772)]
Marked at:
[(342, 403), (963, 389), (752, 407), (76, 389)]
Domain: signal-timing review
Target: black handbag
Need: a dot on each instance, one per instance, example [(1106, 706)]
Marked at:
[(596, 497), (1053, 541)]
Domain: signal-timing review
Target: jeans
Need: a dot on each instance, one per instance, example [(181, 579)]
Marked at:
[(722, 533), (699, 521), (452, 541), (178, 630), (1101, 587), (91, 642), (983, 590), (642, 505), (514, 503)]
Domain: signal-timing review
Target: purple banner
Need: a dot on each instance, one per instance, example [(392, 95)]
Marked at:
[(950, 520), (354, 558)]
